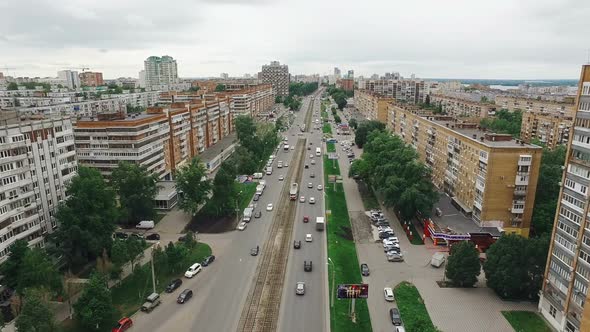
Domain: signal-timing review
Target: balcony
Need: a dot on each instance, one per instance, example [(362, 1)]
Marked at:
[(525, 160), (520, 192), (521, 180), (517, 210)]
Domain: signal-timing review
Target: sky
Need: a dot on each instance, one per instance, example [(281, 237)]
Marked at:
[(499, 39)]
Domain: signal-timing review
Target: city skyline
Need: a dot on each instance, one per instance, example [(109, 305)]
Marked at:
[(459, 41)]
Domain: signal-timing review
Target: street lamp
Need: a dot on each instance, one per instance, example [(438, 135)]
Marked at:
[(153, 273), (237, 208), (333, 271)]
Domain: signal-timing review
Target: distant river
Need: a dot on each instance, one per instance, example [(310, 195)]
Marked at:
[(504, 87)]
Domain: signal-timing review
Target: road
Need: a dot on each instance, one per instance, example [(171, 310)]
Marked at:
[(308, 312), (220, 290)]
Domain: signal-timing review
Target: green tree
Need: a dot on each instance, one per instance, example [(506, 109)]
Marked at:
[(12, 86), (194, 88), (245, 161), (94, 310), (504, 122), (427, 100), (86, 218), (38, 270), (175, 254), (35, 315), (363, 130), (463, 265), (119, 254), (11, 268), (220, 88), (224, 190), (353, 123), (547, 193), (192, 183), (135, 249), (137, 189), (245, 129)]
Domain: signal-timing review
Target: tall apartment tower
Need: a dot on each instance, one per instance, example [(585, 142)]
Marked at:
[(37, 162), (565, 284), (91, 79), (278, 76), (70, 77), (160, 70), (337, 72)]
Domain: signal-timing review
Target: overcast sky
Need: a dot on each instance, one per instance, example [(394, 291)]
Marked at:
[(519, 39)]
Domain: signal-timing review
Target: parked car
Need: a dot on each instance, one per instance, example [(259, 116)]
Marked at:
[(305, 219), (152, 301), (320, 187), (184, 296), (256, 198), (396, 318), (394, 256), (173, 285), (307, 266), (388, 293), (123, 325), (254, 251), (208, 260), (300, 288), (121, 235), (153, 237), (385, 235), (242, 226), (193, 270), (258, 214), (297, 244), (365, 269)]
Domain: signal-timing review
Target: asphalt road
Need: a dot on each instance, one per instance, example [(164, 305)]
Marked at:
[(220, 290), (310, 311)]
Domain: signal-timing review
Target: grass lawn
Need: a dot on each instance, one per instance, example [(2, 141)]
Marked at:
[(248, 190), (324, 114), (526, 321), (412, 308), (326, 128), (342, 252), (331, 147)]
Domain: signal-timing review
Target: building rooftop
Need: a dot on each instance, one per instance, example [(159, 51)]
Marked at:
[(166, 190), (453, 221)]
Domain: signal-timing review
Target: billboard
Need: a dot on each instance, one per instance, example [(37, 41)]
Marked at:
[(353, 291)]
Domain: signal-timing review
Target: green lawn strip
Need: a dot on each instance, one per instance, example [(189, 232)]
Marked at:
[(331, 147), (526, 321), (158, 217), (326, 128), (248, 190), (130, 294), (342, 252), (412, 308), (415, 236)]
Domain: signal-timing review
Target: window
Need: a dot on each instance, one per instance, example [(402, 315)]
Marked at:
[(573, 201), (567, 229), (573, 217), (552, 311)]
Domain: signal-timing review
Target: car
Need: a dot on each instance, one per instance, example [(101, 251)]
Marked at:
[(388, 293), (396, 318), (308, 237), (384, 228), (320, 187), (311, 156), (305, 219), (313, 161), (300, 288), (393, 256), (385, 235), (121, 235), (306, 166), (310, 185), (286, 165), (307, 266), (309, 147), (400, 329), (208, 260), (297, 244), (258, 214), (242, 226), (393, 239), (153, 237), (311, 200), (254, 251), (193, 270), (151, 302), (384, 223), (173, 285), (184, 296), (269, 207), (292, 148), (281, 177), (365, 269), (302, 199), (256, 197), (123, 325), (387, 243), (391, 247)]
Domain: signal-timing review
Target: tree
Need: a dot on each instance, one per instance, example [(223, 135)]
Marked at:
[(427, 100), (135, 247), (244, 160), (245, 128), (463, 265), (504, 122), (220, 88), (363, 130), (12, 86), (192, 183), (224, 190), (547, 192), (353, 123), (194, 88), (11, 268), (38, 270), (137, 189), (35, 315), (119, 254), (86, 219), (94, 310), (175, 254)]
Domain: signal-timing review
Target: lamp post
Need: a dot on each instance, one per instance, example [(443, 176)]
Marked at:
[(333, 271), (237, 208), (153, 272)]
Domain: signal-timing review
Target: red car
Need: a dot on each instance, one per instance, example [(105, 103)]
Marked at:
[(305, 219), (123, 325)]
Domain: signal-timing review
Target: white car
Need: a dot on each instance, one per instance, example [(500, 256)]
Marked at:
[(269, 207), (286, 165), (388, 293), (281, 177), (311, 156), (313, 161), (242, 226), (310, 185), (308, 238), (320, 187), (311, 200), (293, 148), (302, 199), (193, 270)]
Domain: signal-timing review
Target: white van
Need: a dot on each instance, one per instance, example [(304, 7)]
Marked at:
[(269, 170), (318, 151), (145, 224)]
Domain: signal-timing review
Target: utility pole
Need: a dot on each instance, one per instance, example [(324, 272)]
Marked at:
[(153, 272)]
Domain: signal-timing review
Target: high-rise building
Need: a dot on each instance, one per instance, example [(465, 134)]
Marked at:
[(224, 76), (372, 106), (91, 79), (160, 71), (565, 284), (337, 72), (70, 78), (278, 76), (141, 81), (37, 162), (350, 74)]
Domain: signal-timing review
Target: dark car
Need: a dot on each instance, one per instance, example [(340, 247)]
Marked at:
[(258, 214), (309, 148), (208, 260), (173, 285), (307, 266), (153, 236), (306, 166), (385, 235), (121, 235), (296, 244), (305, 219), (254, 251), (184, 296), (396, 318), (256, 198), (365, 269), (312, 175)]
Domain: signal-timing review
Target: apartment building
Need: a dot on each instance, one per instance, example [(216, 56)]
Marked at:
[(526, 104), (490, 178), (552, 129), (106, 139), (346, 84), (254, 101), (37, 162), (411, 91), (371, 105), (565, 286), (278, 76), (89, 78), (70, 77), (459, 107), (160, 71)]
